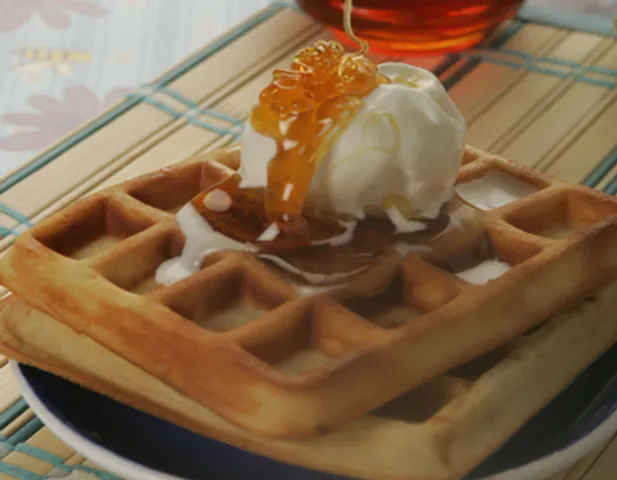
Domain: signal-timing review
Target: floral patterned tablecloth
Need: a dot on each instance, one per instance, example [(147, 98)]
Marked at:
[(64, 61)]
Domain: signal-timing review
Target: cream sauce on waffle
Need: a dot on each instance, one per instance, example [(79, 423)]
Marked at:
[(494, 189), (484, 272), (303, 112), (332, 262), (200, 240), (324, 262)]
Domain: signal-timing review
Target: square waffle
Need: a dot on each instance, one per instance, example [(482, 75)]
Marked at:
[(440, 430), (237, 339)]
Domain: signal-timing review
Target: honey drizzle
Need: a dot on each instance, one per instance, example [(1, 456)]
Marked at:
[(350, 32), (304, 110)]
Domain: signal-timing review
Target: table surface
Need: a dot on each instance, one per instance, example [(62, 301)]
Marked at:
[(63, 62)]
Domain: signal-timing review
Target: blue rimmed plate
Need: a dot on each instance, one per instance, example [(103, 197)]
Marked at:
[(138, 446)]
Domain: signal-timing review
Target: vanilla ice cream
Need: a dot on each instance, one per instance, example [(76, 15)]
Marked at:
[(406, 142)]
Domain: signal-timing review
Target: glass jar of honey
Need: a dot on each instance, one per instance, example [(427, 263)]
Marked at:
[(415, 26)]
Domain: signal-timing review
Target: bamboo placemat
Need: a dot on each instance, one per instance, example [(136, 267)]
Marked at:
[(540, 94)]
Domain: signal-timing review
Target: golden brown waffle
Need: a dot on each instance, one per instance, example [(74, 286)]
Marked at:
[(293, 367), (438, 431)]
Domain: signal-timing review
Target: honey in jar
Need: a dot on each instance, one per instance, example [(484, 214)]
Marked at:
[(415, 26)]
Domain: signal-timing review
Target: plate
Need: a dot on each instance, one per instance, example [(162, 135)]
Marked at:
[(138, 446)]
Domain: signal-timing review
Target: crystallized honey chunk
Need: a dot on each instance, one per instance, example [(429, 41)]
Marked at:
[(303, 110)]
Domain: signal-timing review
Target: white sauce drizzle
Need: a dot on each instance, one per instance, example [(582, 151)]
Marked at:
[(484, 272), (270, 233), (218, 200), (340, 239), (401, 224), (494, 189), (201, 240), (312, 278)]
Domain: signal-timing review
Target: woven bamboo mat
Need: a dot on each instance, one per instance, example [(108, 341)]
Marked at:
[(542, 95)]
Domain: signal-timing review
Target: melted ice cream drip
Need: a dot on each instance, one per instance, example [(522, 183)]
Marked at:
[(493, 190), (484, 272), (311, 278), (341, 239), (200, 240)]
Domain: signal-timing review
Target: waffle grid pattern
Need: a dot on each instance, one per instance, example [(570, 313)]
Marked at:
[(226, 125), (128, 223), (451, 385)]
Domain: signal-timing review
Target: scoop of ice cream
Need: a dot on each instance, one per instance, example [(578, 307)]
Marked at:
[(401, 152)]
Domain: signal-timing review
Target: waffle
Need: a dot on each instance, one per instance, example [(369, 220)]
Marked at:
[(287, 366), (438, 431)]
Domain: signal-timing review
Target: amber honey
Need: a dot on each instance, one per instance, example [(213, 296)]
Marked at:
[(416, 26), (303, 110)]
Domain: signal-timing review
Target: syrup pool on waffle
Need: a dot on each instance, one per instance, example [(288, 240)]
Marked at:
[(343, 162)]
